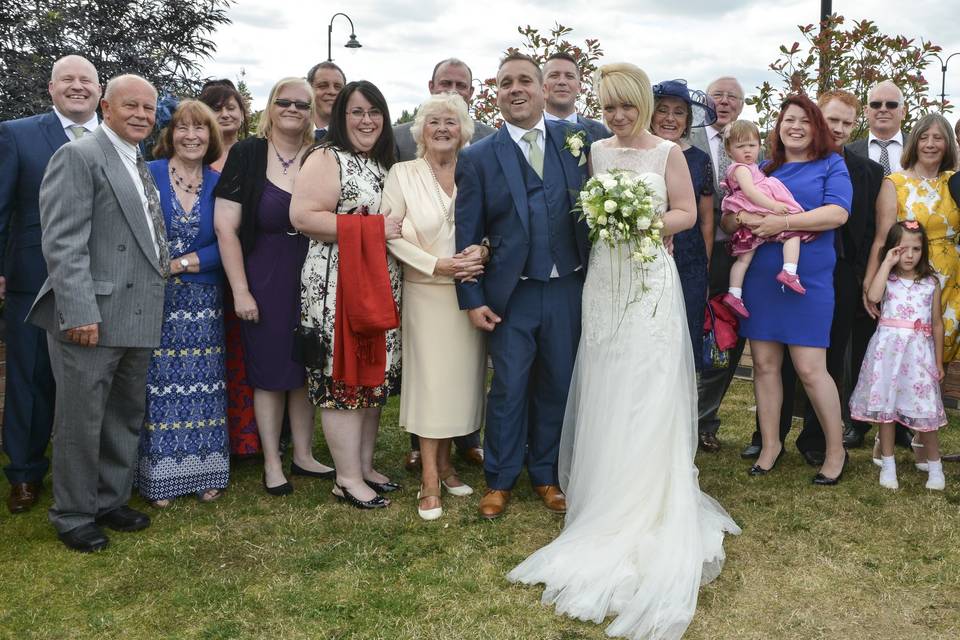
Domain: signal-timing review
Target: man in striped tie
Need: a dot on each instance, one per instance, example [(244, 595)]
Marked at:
[(885, 111), (26, 146)]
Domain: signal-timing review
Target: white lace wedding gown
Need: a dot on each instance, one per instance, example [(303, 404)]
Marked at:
[(639, 537)]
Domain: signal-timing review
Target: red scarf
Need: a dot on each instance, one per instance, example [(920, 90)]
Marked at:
[(365, 308)]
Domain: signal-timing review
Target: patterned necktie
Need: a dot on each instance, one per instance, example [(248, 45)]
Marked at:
[(535, 154), (77, 130), (723, 163), (156, 215), (884, 155)]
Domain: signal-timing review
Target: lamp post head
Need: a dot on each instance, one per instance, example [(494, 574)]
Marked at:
[(353, 43)]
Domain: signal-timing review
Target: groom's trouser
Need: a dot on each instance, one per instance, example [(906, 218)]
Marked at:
[(533, 350)]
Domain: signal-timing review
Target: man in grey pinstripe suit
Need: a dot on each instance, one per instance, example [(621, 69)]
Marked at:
[(101, 306)]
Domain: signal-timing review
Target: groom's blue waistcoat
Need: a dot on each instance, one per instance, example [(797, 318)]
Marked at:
[(528, 221)]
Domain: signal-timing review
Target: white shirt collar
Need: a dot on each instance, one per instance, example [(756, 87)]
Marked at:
[(712, 133), (65, 122), (124, 147), (570, 118), (517, 133), (898, 138)]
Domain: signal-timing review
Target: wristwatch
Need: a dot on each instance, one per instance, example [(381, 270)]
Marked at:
[(184, 263)]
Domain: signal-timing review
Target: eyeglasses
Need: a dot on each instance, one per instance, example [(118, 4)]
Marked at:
[(373, 114), (720, 95), (283, 103), (889, 104)]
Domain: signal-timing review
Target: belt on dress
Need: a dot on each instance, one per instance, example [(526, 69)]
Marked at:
[(924, 328)]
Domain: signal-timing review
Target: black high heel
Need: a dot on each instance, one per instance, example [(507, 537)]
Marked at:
[(297, 470), (384, 487), (757, 470), (284, 489), (379, 502), (824, 481)]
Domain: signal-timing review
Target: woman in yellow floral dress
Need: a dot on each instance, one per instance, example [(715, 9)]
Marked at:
[(921, 192)]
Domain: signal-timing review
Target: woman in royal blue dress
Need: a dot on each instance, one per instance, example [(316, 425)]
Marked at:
[(803, 157), (183, 443)]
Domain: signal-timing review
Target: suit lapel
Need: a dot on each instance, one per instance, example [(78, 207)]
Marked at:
[(506, 152), (127, 196), (54, 134), (570, 167)]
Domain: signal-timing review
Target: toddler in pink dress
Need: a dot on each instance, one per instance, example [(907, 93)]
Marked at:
[(749, 189), (901, 372)]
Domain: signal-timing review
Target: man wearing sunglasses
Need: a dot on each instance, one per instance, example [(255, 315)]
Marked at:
[(885, 112)]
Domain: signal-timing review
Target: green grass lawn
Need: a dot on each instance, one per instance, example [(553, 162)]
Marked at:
[(853, 561)]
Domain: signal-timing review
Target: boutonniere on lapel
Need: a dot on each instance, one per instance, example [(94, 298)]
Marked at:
[(574, 143)]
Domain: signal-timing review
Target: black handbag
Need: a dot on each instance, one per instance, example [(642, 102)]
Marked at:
[(309, 347)]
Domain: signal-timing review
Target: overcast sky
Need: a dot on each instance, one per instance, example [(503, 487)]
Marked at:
[(402, 39)]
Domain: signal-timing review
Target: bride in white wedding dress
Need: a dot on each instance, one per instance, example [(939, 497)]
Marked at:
[(640, 538)]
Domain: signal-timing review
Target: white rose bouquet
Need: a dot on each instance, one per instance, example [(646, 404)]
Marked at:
[(622, 210)]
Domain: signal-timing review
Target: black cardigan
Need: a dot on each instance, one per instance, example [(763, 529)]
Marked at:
[(243, 179)]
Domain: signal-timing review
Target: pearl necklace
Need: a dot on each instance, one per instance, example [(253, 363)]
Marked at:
[(444, 211)]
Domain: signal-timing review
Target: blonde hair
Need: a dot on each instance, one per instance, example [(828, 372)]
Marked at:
[(738, 131), (439, 103), (265, 127), (625, 83)]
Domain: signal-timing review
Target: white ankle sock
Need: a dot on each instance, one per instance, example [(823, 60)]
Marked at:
[(888, 473), (736, 292), (790, 267), (935, 479)]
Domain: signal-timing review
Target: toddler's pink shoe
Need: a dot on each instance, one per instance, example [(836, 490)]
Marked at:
[(735, 304), (792, 281)]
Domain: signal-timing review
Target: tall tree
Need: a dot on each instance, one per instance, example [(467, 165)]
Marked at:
[(854, 58), (162, 40)]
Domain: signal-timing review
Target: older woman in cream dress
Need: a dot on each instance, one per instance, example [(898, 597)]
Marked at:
[(443, 354)]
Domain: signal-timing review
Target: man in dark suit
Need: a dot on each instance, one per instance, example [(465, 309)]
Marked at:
[(561, 86), (326, 79), (885, 111), (102, 303), (516, 189), (449, 76), (26, 146)]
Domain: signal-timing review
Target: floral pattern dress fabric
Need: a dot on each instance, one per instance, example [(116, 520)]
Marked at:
[(898, 379), (929, 202), (361, 187)]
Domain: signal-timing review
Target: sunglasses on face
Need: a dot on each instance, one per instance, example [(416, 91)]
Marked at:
[(283, 103), (889, 104)]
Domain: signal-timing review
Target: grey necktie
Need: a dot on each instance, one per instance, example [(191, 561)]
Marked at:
[(884, 155), (156, 214), (77, 130), (723, 163), (535, 154)]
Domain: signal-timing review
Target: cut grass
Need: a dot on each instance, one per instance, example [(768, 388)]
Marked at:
[(852, 561)]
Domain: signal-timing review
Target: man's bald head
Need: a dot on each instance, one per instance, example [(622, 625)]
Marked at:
[(130, 107), (74, 88)]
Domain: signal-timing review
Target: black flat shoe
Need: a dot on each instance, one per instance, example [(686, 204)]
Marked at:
[(296, 470), (383, 487), (824, 481), (284, 489), (378, 502), (757, 470), (853, 438), (85, 538), (814, 458), (124, 519)]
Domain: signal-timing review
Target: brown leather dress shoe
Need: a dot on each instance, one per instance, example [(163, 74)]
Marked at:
[(23, 495), (552, 497), (412, 461), (494, 503), (709, 442), (473, 455)]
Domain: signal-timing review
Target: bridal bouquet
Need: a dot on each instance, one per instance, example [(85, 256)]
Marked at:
[(621, 211)]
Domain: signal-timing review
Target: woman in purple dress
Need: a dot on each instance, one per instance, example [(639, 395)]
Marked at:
[(262, 256)]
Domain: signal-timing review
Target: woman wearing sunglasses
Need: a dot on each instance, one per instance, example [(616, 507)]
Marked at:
[(262, 256)]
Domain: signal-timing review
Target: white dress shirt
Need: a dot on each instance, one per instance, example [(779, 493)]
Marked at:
[(65, 122), (894, 151), (128, 154), (570, 118)]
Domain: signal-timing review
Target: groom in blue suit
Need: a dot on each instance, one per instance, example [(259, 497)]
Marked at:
[(26, 146), (516, 189)]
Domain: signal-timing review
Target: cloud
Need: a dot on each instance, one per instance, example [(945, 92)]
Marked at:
[(262, 16)]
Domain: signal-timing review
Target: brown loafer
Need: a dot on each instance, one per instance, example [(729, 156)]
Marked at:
[(552, 497), (412, 461), (493, 503), (709, 442), (23, 495), (473, 455)]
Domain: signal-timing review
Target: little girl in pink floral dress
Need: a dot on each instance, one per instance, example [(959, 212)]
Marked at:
[(749, 189), (901, 372)]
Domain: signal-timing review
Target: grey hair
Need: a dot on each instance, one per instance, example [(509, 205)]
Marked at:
[(453, 62), (449, 102), (730, 79), (121, 79)]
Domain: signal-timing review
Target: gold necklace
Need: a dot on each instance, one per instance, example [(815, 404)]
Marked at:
[(444, 211)]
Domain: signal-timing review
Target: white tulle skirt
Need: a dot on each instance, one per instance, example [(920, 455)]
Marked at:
[(640, 538)]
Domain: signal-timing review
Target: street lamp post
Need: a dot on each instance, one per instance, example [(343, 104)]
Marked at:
[(943, 77), (823, 80), (352, 43)]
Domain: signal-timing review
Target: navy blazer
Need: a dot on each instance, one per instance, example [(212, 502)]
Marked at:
[(26, 146), (492, 203), (596, 130), (205, 244)]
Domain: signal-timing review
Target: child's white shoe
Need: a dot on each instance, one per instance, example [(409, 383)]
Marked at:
[(936, 481), (888, 473)]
